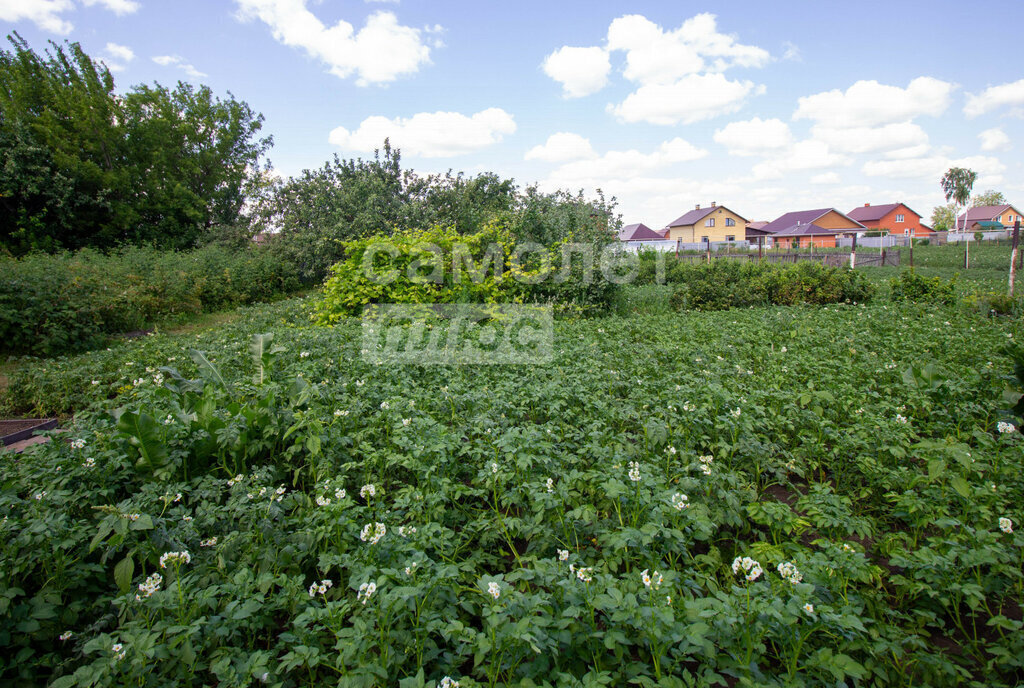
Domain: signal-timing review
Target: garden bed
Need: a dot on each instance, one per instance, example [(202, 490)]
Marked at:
[(18, 429)]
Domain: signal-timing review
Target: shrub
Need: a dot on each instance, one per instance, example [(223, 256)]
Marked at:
[(728, 283), (50, 304), (439, 265), (910, 286)]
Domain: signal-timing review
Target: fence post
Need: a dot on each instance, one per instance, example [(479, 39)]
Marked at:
[(853, 253), (883, 257), (679, 242), (760, 248), (1013, 253), (709, 252), (911, 251)]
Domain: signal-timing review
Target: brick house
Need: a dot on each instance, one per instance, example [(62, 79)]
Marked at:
[(892, 218)]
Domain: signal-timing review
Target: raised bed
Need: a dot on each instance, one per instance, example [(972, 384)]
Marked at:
[(19, 429)]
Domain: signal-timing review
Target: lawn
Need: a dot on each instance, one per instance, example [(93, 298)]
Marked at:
[(769, 496)]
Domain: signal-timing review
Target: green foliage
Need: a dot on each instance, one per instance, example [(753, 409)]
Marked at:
[(853, 443), (439, 265), (315, 213), (911, 286), (989, 197), (83, 166), (51, 304), (944, 217), (727, 283)]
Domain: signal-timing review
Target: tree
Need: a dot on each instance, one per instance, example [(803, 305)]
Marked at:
[(989, 197), (81, 165), (957, 183), (944, 217)]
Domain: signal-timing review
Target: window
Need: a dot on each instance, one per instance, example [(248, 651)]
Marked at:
[(906, 231), (899, 218), (710, 222), (730, 237), (729, 222), (703, 240)]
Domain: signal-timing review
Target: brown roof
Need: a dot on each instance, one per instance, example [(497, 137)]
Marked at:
[(638, 232), (698, 214), (800, 217), (804, 229), (983, 212)]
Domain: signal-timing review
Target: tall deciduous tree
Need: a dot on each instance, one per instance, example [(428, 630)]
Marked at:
[(989, 197), (944, 217), (957, 183), (81, 165)]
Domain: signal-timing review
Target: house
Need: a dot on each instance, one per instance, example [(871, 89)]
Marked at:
[(891, 218), (711, 224), (639, 232), (755, 230), (804, 228), (1004, 215)]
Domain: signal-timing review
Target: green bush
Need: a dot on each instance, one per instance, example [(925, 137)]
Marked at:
[(910, 286), (439, 265), (725, 284), (50, 304)]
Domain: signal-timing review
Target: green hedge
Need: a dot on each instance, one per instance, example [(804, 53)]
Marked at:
[(725, 284), (910, 286), (51, 304)]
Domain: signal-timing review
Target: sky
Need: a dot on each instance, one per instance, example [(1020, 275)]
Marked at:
[(764, 107)]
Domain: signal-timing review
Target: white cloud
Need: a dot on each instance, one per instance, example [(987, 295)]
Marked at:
[(429, 134), (868, 139), (117, 56), (380, 52), (623, 169), (654, 56), (43, 13), (933, 167), (826, 178), (581, 71), (994, 97), (792, 52), (993, 139), (562, 147), (177, 61), (809, 154), (754, 136), (118, 7), (691, 99), (869, 103)]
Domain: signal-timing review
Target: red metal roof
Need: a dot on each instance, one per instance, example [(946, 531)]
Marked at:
[(692, 217), (639, 232), (870, 213)]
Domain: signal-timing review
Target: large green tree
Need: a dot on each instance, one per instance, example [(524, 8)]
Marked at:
[(944, 217), (989, 197), (81, 165)]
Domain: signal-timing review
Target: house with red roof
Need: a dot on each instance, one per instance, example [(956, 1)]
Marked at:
[(704, 225), (804, 228), (891, 218), (984, 218), (639, 232)]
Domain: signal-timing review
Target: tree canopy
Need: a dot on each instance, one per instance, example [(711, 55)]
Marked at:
[(81, 165), (989, 197)]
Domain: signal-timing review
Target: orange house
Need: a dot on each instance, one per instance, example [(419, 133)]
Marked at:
[(804, 228), (892, 218)]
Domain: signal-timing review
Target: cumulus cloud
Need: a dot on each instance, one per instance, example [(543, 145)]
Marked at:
[(562, 147), (43, 13), (379, 52), (995, 97), (581, 71), (664, 62), (178, 62), (869, 139), (869, 103), (754, 136), (429, 134), (691, 99), (627, 171), (993, 139), (118, 7), (932, 167), (809, 154)]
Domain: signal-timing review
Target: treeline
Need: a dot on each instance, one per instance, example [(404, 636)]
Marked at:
[(84, 166)]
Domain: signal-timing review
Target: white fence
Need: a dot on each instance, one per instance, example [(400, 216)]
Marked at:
[(953, 237), (669, 245)]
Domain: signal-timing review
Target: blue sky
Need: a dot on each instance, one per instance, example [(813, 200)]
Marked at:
[(765, 107)]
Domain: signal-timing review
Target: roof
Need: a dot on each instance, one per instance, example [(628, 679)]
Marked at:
[(801, 217), (760, 224), (983, 212), (692, 217), (638, 232), (991, 224), (870, 213), (804, 229)]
